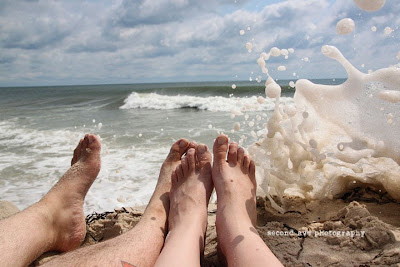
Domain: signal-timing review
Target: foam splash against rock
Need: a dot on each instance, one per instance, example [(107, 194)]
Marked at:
[(334, 138)]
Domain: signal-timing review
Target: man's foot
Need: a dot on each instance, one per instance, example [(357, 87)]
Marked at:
[(190, 192), (235, 183), (158, 206), (62, 206)]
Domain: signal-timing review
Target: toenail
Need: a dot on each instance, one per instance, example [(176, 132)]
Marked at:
[(201, 148), (91, 139), (183, 143), (193, 144), (221, 140)]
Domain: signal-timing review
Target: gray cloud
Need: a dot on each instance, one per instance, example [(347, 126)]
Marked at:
[(17, 38), (175, 40), (33, 25), (6, 59), (150, 12), (92, 47)]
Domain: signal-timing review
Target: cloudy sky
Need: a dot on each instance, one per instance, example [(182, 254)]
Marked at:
[(48, 42)]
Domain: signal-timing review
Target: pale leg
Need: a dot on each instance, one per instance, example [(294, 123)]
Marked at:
[(191, 190), (234, 180)]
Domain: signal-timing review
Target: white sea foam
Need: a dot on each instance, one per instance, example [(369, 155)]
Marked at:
[(211, 103), (334, 138), (345, 26), (370, 5), (34, 160)]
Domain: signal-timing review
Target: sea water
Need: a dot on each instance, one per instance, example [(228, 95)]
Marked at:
[(41, 126)]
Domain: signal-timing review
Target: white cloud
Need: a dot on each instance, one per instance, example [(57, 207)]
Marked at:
[(59, 42)]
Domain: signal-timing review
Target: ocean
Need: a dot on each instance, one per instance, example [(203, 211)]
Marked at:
[(137, 123)]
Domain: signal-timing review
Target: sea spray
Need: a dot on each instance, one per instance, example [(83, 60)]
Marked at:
[(333, 138), (345, 26), (370, 5)]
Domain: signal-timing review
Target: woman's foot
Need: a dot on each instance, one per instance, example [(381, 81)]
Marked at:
[(190, 192), (234, 179), (62, 206), (235, 183)]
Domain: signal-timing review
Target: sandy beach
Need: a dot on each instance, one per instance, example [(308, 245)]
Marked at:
[(360, 230)]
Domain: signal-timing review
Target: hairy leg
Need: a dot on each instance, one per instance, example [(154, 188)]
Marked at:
[(57, 221), (235, 183), (141, 245), (191, 190)]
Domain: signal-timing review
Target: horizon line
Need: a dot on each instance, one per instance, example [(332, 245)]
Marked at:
[(180, 82)]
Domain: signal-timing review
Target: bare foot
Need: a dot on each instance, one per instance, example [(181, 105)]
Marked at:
[(161, 192), (141, 245), (63, 204), (234, 180), (191, 190)]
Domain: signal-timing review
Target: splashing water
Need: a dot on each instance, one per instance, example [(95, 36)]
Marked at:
[(249, 47), (388, 31), (333, 138), (345, 26), (370, 5), (281, 68)]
